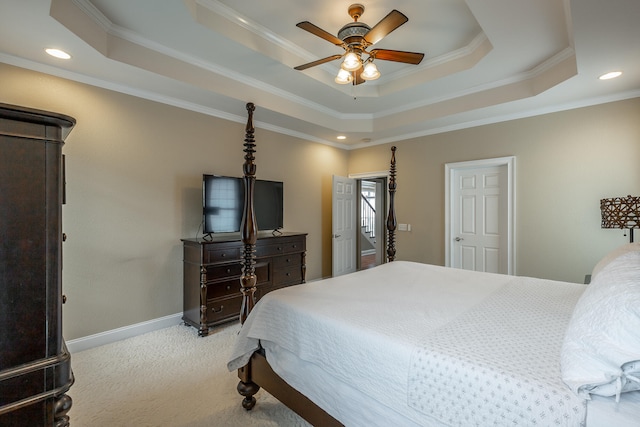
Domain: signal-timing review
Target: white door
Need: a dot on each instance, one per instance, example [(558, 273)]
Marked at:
[(480, 225), (343, 228)]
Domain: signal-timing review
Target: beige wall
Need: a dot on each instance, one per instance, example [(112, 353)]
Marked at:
[(565, 163), (134, 180), (134, 171)]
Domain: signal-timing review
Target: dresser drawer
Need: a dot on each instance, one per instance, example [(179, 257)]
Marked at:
[(287, 275), (223, 308), (231, 286), (216, 272), (212, 254), (229, 307), (286, 261), (285, 246)]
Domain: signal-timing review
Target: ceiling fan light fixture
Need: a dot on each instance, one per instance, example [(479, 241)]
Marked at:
[(344, 77), (370, 72), (351, 62)]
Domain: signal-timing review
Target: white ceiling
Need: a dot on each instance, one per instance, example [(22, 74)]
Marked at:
[(485, 60)]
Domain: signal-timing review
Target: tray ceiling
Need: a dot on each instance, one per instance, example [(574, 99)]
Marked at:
[(485, 60)]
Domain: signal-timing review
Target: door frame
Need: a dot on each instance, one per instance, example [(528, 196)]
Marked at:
[(450, 168), (373, 175)]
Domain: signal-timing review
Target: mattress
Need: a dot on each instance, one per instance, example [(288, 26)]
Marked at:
[(421, 345)]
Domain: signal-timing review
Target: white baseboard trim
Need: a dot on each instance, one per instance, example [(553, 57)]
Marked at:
[(125, 332)]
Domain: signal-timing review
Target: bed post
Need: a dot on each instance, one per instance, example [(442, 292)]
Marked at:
[(248, 228), (391, 218), (249, 234)]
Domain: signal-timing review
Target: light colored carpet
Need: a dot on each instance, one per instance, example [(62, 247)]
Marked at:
[(169, 377)]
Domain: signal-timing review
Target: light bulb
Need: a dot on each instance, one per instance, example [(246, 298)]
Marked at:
[(343, 77), (370, 72), (351, 62)]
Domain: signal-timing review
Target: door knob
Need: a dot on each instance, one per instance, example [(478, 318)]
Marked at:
[(457, 239)]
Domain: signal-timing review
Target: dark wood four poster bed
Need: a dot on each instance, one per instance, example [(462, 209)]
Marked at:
[(410, 344)]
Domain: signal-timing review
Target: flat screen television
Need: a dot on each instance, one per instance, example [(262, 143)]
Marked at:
[(223, 198)]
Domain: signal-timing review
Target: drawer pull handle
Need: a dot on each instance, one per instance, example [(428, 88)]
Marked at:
[(228, 287), (288, 274), (279, 248), (228, 270), (218, 310), (223, 255)]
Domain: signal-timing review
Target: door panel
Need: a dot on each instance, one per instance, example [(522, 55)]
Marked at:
[(467, 257), (492, 260), (468, 214), (491, 215), (344, 230), (478, 226)]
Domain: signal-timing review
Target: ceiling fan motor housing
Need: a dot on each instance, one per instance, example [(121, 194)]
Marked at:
[(353, 33)]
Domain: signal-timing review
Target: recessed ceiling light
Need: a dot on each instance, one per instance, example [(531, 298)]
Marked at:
[(610, 75), (341, 137), (58, 53)]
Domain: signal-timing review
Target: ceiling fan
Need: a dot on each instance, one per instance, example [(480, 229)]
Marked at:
[(355, 38)]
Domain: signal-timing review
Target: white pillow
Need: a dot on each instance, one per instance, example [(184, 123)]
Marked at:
[(621, 250), (601, 350)]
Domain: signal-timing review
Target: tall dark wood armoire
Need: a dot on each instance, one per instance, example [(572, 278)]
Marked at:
[(35, 366)]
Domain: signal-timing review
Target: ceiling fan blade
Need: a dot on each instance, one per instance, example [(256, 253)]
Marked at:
[(315, 30), (318, 62), (389, 23), (397, 56)]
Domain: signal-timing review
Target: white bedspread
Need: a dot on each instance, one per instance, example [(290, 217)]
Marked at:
[(386, 316), (497, 363)]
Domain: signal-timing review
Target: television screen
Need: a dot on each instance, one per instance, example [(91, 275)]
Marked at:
[(223, 199), (222, 203), (268, 197)]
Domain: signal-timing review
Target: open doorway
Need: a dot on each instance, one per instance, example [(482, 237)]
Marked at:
[(371, 220), (358, 224)]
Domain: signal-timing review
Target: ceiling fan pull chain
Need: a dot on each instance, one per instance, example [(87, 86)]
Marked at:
[(353, 86)]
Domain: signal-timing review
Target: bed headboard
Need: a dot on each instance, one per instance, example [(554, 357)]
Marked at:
[(249, 227)]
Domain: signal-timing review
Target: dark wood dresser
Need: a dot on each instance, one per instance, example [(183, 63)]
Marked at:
[(35, 366), (212, 272)]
